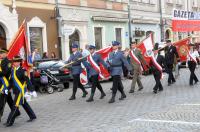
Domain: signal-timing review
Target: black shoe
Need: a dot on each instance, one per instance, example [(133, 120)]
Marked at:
[(140, 89), (18, 114), (102, 96), (160, 90), (131, 91), (169, 84), (112, 100), (84, 94), (155, 91), (8, 125), (90, 99), (123, 96), (191, 84), (32, 119), (173, 82), (72, 98)]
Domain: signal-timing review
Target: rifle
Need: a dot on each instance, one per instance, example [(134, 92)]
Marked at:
[(72, 62)]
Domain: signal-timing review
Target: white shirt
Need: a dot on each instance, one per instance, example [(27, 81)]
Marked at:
[(194, 54)]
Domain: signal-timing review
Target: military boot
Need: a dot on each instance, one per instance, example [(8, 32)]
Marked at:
[(90, 99), (112, 100)]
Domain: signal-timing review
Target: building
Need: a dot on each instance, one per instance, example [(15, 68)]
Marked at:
[(41, 24), (96, 22), (145, 19)]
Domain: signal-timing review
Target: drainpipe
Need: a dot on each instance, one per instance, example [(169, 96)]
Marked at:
[(129, 23), (59, 26), (161, 22)]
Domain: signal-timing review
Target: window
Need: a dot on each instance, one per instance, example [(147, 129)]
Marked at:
[(36, 39), (98, 37), (118, 35)]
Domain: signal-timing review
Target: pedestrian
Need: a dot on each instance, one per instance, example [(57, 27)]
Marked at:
[(192, 62), (136, 62), (45, 55), (95, 61), (19, 80), (115, 60), (5, 72), (157, 73), (170, 53), (53, 55), (76, 70), (36, 55)]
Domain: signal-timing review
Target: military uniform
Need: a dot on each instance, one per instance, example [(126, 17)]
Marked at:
[(136, 70), (156, 73), (94, 75), (19, 80), (116, 59), (5, 95), (76, 70)]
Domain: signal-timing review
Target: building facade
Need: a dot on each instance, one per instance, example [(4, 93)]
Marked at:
[(145, 19)]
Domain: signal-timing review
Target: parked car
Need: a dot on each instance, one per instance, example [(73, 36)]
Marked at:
[(47, 75)]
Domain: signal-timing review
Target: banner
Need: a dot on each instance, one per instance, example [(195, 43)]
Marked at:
[(182, 47), (185, 25), (19, 46), (146, 47)]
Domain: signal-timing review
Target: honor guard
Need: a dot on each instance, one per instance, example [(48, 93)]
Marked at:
[(170, 53), (76, 70), (5, 72), (19, 80), (94, 70), (116, 59), (136, 60), (156, 73)]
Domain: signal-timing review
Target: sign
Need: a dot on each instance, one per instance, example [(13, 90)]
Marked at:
[(185, 21), (68, 30)]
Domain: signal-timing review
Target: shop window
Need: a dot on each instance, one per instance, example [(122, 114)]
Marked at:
[(36, 39), (118, 35), (98, 37)]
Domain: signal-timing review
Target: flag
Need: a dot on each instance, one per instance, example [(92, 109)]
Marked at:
[(102, 70), (146, 46), (182, 47), (19, 46)]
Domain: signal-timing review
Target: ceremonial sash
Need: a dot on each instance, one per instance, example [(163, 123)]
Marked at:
[(20, 87), (83, 75), (136, 59), (158, 67), (193, 59), (4, 81), (95, 66)]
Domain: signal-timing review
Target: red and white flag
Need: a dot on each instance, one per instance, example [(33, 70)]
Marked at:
[(101, 69), (19, 46)]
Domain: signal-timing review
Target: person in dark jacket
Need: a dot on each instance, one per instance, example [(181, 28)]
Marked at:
[(170, 53), (19, 80), (94, 72), (156, 73), (5, 71)]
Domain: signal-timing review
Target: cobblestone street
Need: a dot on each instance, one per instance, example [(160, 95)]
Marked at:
[(176, 109)]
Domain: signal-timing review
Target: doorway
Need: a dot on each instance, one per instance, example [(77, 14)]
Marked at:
[(74, 38)]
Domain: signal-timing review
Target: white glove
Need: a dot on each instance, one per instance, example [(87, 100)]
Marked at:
[(34, 94), (6, 91)]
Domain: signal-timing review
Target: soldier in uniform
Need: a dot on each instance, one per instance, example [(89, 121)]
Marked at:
[(94, 74), (19, 80), (170, 53), (5, 71), (156, 73), (76, 70), (116, 59), (136, 68)]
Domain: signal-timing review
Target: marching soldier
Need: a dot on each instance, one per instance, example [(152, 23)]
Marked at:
[(136, 59), (76, 70), (116, 59), (94, 62), (157, 73), (5, 72), (19, 80), (192, 62), (170, 53)]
